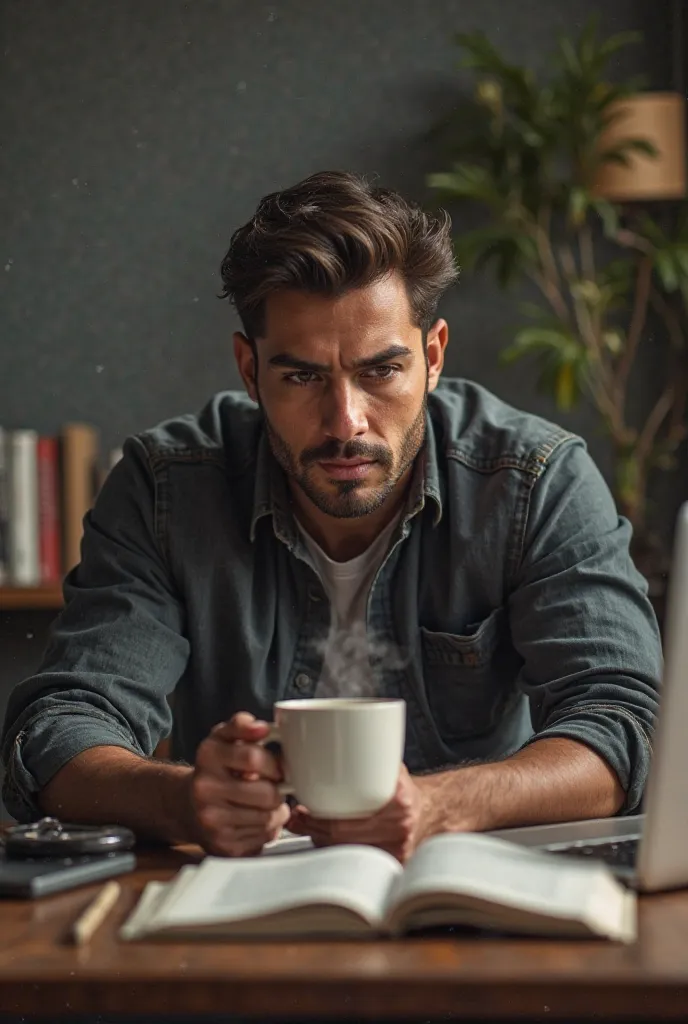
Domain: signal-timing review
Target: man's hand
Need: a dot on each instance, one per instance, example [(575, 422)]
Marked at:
[(397, 828), (235, 802)]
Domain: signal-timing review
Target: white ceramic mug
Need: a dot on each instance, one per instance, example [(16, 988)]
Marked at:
[(342, 756)]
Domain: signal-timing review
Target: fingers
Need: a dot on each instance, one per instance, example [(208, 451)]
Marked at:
[(391, 829), (235, 799), (241, 726), (232, 830), (235, 748), (232, 792), (222, 818), (231, 840), (352, 832)]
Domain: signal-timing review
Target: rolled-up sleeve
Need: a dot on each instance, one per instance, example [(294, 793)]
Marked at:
[(582, 622), (115, 652)]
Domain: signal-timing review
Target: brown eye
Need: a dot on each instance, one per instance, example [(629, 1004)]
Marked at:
[(299, 377), (381, 373)]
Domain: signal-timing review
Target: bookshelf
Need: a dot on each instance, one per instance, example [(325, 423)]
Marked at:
[(30, 598), (47, 484)]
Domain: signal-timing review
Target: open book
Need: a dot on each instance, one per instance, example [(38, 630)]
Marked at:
[(348, 891)]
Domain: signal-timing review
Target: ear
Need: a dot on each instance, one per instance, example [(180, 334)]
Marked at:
[(246, 364), (438, 336)]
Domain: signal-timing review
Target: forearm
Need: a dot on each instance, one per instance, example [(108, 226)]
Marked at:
[(550, 780), (111, 785)]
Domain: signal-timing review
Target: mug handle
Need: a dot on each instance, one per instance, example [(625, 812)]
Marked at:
[(283, 788)]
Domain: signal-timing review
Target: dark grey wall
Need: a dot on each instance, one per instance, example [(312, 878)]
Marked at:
[(137, 135)]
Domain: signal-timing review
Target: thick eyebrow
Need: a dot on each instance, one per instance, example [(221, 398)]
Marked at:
[(294, 363)]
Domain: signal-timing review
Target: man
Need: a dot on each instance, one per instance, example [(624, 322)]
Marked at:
[(472, 551)]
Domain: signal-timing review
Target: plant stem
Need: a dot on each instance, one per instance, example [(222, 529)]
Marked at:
[(630, 240), (635, 330), (671, 320), (549, 281), (607, 408), (602, 391), (677, 339), (587, 252), (658, 414)]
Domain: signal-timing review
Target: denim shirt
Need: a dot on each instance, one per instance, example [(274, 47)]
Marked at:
[(508, 585)]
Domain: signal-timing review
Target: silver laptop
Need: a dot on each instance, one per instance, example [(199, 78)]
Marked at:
[(650, 850)]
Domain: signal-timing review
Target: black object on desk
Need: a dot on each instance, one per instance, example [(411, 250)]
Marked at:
[(49, 856)]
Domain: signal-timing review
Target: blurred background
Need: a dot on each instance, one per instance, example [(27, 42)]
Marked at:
[(136, 136)]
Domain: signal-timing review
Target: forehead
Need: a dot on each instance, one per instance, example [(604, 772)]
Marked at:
[(361, 316)]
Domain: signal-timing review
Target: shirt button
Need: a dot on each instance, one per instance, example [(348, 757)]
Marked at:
[(302, 682)]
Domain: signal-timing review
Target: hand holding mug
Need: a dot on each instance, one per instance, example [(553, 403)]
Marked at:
[(397, 828), (236, 798)]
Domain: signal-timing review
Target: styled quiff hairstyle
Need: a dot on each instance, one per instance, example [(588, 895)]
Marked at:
[(333, 232)]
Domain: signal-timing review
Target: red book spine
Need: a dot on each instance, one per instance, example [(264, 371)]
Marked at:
[(49, 510)]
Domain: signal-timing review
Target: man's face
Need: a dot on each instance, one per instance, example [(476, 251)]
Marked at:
[(342, 384)]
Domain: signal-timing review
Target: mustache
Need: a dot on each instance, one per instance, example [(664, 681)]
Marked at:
[(333, 449)]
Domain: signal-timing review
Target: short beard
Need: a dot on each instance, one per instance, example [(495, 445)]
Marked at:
[(347, 503)]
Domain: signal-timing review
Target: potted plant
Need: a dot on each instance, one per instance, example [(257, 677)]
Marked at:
[(533, 157)]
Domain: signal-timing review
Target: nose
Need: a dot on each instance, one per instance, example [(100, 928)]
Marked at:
[(344, 415)]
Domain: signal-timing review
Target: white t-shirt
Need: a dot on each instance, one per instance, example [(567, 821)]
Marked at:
[(346, 666)]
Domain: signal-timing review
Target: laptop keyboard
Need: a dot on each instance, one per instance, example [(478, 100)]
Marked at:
[(621, 853)]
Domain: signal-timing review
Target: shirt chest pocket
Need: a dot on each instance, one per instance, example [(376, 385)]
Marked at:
[(469, 678)]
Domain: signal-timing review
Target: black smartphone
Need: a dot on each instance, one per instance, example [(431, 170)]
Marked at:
[(28, 878)]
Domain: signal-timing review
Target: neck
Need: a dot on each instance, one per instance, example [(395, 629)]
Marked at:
[(344, 539)]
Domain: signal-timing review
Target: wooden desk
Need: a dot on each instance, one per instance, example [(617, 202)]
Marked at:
[(40, 973)]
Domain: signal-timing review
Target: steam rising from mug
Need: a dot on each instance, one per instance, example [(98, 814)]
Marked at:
[(356, 662)]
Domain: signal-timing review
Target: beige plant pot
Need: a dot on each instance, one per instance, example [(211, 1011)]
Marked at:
[(658, 117)]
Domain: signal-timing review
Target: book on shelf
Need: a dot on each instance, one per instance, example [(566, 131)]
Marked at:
[(24, 567), (47, 485), (49, 515), (79, 483), (4, 508), (357, 891)]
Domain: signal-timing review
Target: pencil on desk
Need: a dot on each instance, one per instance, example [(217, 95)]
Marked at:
[(95, 913)]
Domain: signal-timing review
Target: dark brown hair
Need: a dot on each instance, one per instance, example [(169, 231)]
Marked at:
[(333, 232)]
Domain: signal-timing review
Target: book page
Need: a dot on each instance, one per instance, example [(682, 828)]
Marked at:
[(286, 842), (498, 871), (152, 901), (358, 878)]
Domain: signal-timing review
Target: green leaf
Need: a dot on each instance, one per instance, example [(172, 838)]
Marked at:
[(534, 311), (623, 151), (628, 476), (666, 269), (616, 155), (555, 338), (653, 232), (588, 39), (614, 341), (681, 257), (489, 94), (665, 462), (617, 274), (569, 55), (579, 199), (639, 145), (467, 181), (608, 214), (566, 388), (618, 42), (482, 56)]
